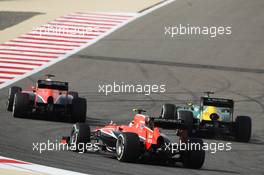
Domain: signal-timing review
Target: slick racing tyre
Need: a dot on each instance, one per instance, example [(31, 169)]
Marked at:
[(79, 108), (21, 105), (168, 112), (187, 117), (127, 147), (12, 91), (243, 128), (74, 94), (80, 136), (194, 157)]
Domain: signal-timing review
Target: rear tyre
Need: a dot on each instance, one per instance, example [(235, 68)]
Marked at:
[(168, 112), (127, 147), (187, 117), (78, 110), (243, 128), (21, 105), (74, 94), (80, 136), (194, 157), (12, 91)]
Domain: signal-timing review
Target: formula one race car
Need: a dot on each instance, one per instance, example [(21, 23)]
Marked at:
[(141, 138), (48, 98), (213, 118)]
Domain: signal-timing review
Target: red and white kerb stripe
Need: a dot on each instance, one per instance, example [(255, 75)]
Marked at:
[(13, 166), (55, 41)]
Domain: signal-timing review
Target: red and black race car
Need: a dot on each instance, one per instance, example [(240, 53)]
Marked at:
[(48, 97), (141, 138)]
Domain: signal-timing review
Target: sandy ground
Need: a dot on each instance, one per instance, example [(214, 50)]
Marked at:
[(15, 172)]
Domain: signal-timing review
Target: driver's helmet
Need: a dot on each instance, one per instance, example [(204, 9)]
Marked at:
[(190, 103), (138, 111)]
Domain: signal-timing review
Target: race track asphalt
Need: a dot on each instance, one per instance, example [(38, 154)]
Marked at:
[(141, 53)]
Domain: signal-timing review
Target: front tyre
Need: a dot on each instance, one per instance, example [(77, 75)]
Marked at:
[(194, 157), (128, 147)]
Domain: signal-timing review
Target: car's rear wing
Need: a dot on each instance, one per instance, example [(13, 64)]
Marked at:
[(217, 102), (168, 124), (57, 85)]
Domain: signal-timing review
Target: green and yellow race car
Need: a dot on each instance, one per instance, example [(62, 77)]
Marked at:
[(213, 117)]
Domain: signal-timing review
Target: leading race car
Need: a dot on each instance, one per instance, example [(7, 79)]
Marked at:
[(141, 138), (213, 118), (50, 98)]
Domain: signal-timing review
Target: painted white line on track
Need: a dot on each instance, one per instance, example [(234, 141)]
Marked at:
[(100, 22), (86, 36), (88, 20), (3, 53), (27, 53), (81, 15), (24, 57), (33, 50), (4, 75), (38, 45), (70, 23), (81, 18), (56, 38), (99, 29), (26, 62), (33, 40), (13, 64)]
